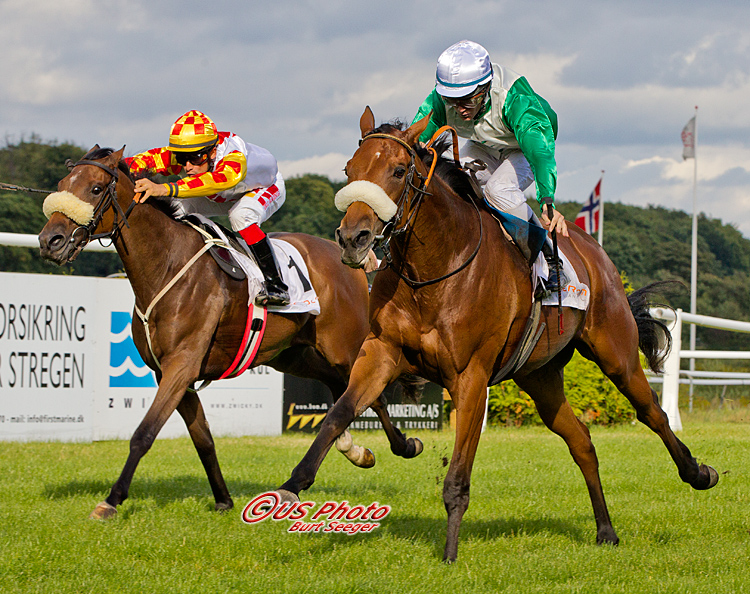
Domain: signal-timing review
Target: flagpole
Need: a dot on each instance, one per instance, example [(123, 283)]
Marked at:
[(601, 213), (694, 254)]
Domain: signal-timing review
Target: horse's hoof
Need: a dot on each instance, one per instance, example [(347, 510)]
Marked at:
[(607, 536), (103, 511), (713, 478), (224, 506), (287, 496), (366, 458), (418, 446)]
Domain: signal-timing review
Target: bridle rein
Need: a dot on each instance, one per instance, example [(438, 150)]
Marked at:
[(393, 227)]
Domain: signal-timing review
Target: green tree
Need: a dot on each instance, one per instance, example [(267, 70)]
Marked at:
[(40, 165), (308, 208)]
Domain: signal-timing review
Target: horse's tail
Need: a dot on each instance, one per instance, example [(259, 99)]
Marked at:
[(654, 338)]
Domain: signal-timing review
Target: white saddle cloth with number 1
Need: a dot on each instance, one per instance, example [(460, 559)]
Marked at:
[(302, 295)]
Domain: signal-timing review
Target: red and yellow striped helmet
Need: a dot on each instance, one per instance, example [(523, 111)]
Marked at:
[(192, 132)]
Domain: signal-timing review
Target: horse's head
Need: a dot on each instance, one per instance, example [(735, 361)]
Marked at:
[(85, 205), (378, 178)]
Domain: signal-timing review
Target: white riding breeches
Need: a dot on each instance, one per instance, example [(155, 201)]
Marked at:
[(255, 207), (507, 175)]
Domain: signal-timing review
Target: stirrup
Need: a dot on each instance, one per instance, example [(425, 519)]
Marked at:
[(274, 296)]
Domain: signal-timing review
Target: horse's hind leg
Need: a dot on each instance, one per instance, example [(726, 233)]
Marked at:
[(406, 447), (618, 359), (191, 410), (545, 386), (372, 372), (305, 361)]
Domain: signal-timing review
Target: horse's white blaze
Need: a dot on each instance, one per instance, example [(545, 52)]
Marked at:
[(70, 205), (369, 193)]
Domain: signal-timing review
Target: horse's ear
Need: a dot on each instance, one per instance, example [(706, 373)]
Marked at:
[(366, 122), (415, 130), (118, 155)]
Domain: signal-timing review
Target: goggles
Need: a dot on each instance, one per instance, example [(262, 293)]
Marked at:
[(196, 159), (469, 102)]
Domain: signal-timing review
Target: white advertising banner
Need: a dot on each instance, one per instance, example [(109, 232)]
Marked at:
[(46, 357), (69, 370)]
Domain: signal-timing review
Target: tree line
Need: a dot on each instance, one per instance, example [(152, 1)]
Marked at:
[(646, 244)]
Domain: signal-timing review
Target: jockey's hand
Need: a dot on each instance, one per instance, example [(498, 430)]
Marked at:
[(144, 188), (558, 222)]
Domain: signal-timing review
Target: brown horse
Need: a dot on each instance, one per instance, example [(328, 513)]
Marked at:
[(198, 325), (454, 314)]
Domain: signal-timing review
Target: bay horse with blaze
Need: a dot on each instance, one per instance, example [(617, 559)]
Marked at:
[(453, 304), (196, 329)]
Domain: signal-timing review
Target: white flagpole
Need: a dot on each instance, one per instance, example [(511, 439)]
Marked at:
[(601, 212), (694, 253)]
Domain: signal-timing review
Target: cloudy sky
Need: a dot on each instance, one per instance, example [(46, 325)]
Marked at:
[(624, 77)]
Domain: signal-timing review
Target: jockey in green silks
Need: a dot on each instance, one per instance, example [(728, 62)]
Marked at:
[(508, 127)]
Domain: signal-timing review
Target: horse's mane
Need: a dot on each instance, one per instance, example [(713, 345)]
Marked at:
[(162, 203), (100, 153), (446, 169)]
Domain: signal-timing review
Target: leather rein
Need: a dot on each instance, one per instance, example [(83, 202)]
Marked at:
[(418, 191)]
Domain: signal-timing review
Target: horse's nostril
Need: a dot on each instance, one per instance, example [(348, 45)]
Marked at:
[(339, 240), (363, 238), (56, 242)]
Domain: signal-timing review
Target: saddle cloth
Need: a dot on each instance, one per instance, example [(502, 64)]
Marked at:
[(302, 295), (574, 294), (529, 239)]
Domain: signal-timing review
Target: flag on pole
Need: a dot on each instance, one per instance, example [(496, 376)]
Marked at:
[(588, 218), (688, 140)]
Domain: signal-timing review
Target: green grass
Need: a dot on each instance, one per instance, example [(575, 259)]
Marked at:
[(529, 527)]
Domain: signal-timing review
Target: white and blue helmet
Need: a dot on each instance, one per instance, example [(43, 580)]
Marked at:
[(462, 68)]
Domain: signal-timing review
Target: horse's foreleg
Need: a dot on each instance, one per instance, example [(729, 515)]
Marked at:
[(373, 371), (545, 386), (469, 397), (191, 410), (172, 387)]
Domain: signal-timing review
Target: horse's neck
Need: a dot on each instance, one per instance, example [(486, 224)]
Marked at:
[(444, 231), (151, 247)]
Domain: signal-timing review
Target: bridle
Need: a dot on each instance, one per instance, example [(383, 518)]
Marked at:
[(393, 227), (107, 201)]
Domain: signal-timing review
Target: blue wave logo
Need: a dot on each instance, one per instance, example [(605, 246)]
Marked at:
[(126, 368)]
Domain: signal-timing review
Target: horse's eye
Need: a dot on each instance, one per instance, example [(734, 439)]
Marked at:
[(399, 172), (96, 190)]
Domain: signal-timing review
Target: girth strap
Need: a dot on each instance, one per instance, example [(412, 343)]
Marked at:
[(144, 317)]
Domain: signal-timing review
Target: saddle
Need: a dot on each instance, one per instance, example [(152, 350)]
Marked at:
[(224, 258)]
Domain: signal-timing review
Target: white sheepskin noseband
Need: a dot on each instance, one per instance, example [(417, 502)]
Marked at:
[(70, 205), (371, 194)]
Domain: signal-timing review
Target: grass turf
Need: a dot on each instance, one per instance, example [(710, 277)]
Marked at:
[(529, 527)]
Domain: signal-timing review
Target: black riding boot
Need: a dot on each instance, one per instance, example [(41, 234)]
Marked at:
[(274, 291), (553, 282)]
